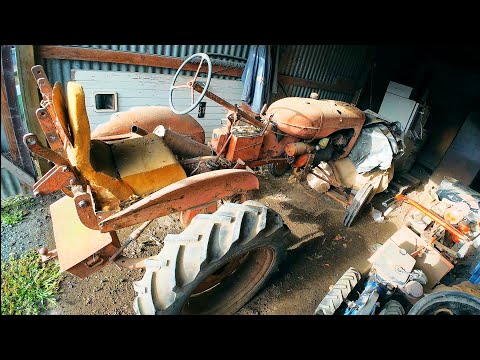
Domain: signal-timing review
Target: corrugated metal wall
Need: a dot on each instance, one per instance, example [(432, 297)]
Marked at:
[(227, 55), (10, 184), (323, 63)]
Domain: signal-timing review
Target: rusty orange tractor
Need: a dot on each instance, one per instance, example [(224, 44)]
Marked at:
[(150, 162)]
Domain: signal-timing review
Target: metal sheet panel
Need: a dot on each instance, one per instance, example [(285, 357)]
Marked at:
[(323, 63)]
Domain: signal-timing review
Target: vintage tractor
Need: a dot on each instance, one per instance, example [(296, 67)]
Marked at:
[(214, 266), (312, 136), (149, 162)]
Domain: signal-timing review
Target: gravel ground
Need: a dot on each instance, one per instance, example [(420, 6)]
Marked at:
[(299, 285), (34, 231)]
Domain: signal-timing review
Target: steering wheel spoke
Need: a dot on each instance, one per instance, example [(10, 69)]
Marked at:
[(198, 70), (191, 84), (181, 86)]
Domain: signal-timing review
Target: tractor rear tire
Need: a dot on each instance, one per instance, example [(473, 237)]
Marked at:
[(339, 292), (216, 265)]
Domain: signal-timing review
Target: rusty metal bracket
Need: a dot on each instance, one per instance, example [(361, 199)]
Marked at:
[(55, 179), (33, 144), (306, 169), (42, 82), (85, 206), (94, 261), (50, 130)]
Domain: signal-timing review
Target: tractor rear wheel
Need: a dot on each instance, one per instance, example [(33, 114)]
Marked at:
[(216, 265)]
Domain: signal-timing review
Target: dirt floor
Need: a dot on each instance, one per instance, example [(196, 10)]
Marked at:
[(325, 249)]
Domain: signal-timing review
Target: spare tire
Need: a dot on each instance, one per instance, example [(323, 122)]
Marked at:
[(216, 265), (447, 303)]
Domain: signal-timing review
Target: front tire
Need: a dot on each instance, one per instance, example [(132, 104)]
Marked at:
[(278, 169), (216, 265)]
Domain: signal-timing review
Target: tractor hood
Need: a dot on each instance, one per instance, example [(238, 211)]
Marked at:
[(313, 119)]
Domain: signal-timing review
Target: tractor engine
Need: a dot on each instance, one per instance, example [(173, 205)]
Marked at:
[(328, 127), (245, 142)]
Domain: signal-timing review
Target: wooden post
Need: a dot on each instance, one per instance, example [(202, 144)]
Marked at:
[(8, 125), (31, 99), (8, 76)]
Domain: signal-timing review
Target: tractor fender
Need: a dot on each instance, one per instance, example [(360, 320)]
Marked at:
[(148, 118), (185, 194)]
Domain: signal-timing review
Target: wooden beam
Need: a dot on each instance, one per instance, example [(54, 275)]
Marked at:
[(19, 126), (341, 85), (19, 173), (7, 124), (123, 57), (31, 100)]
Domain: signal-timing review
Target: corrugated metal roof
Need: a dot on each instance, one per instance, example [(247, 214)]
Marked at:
[(228, 55), (323, 63)]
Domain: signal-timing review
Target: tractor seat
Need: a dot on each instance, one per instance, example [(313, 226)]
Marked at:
[(117, 171)]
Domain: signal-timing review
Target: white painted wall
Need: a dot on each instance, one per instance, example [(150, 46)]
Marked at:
[(144, 89)]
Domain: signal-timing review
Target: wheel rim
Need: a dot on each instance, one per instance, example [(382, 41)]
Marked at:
[(225, 286)]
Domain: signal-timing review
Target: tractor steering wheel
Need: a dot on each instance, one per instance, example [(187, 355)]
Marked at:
[(191, 84)]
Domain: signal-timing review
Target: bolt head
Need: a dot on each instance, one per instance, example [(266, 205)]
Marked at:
[(82, 203)]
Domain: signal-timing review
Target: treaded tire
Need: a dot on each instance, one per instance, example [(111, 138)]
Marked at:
[(339, 292), (278, 170), (209, 244), (447, 303), (360, 199), (393, 307)]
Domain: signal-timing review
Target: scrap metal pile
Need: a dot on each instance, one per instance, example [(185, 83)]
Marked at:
[(407, 270)]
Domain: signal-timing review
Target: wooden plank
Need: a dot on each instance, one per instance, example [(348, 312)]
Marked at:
[(341, 85), (7, 123), (19, 126), (123, 57), (18, 172), (31, 100)]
